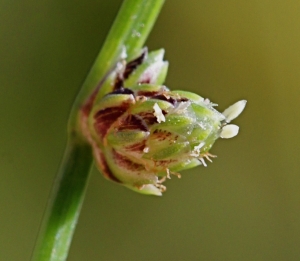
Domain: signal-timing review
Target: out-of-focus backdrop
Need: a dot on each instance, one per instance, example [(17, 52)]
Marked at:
[(244, 206)]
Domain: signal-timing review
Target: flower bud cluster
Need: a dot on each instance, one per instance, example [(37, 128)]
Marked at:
[(142, 133)]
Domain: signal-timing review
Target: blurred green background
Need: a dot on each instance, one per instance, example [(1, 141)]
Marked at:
[(244, 206)]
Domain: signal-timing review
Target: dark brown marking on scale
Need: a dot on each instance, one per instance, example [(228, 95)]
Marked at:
[(146, 79), (148, 118), (123, 162), (164, 112), (121, 91), (129, 68), (147, 93), (161, 135), (164, 98), (182, 99), (133, 122), (160, 163), (106, 117), (132, 65), (137, 147), (119, 82), (106, 170)]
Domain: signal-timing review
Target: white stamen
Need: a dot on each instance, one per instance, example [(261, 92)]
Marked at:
[(229, 131), (158, 113), (234, 110), (181, 107), (209, 104), (203, 162), (208, 158), (168, 174), (196, 150)]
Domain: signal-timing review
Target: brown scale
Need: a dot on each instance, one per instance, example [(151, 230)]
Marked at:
[(105, 118), (130, 67), (132, 122), (147, 93), (106, 170), (161, 135), (164, 163), (126, 163), (165, 98), (148, 118), (137, 147)]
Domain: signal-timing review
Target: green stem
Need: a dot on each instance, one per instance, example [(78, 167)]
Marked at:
[(130, 30), (65, 203)]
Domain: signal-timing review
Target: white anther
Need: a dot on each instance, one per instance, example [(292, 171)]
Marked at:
[(229, 131), (234, 110), (203, 162)]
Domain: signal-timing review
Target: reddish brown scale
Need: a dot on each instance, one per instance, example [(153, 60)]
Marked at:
[(105, 118), (161, 135), (148, 118), (106, 170), (119, 82), (182, 99), (132, 122), (129, 68), (147, 93), (164, 163), (121, 91), (164, 98), (132, 65), (123, 162), (137, 147)]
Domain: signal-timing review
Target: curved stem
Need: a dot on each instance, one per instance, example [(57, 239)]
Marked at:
[(130, 30)]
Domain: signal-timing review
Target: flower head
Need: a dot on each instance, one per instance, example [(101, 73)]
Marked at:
[(142, 133)]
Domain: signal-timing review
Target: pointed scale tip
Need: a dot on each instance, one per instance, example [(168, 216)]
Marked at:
[(147, 189)]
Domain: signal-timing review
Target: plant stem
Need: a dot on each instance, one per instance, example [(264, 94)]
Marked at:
[(65, 203), (130, 30)]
